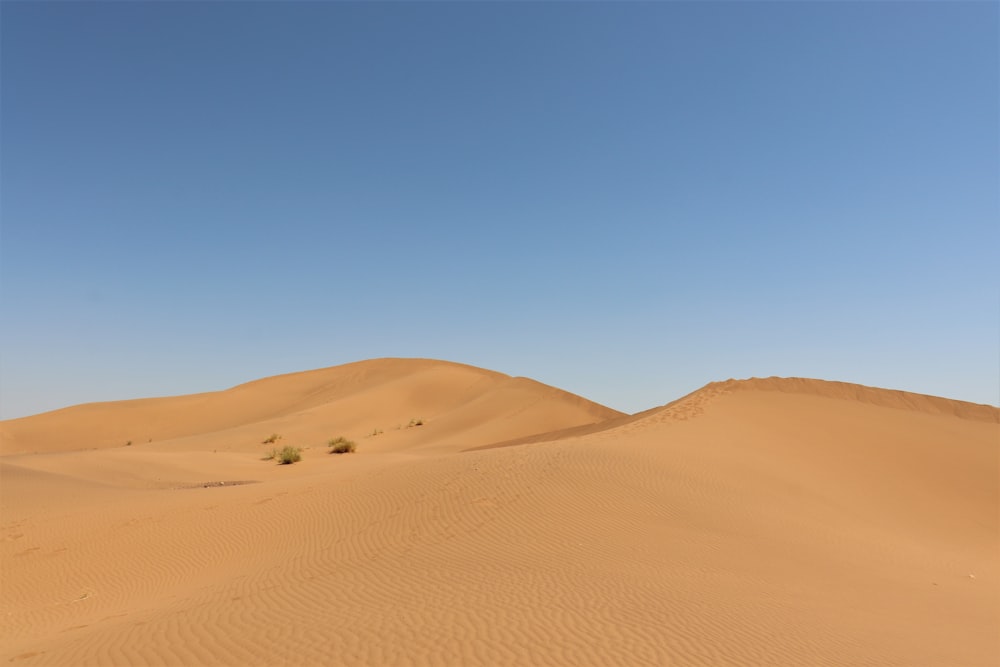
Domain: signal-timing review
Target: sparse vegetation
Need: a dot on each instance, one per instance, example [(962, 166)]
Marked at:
[(415, 422), (289, 455), (273, 438), (375, 432), (271, 455), (342, 445), (128, 444)]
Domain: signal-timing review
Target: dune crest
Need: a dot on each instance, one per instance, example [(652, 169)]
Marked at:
[(888, 398), (693, 404)]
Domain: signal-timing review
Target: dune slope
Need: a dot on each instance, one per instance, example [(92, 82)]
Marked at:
[(354, 399), (777, 522)]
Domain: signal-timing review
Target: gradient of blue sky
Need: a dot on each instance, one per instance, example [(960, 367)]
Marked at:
[(626, 200)]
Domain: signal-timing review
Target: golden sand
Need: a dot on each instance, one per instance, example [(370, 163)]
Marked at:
[(759, 522)]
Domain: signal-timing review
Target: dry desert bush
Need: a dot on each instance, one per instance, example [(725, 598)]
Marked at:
[(341, 445), (289, 455)]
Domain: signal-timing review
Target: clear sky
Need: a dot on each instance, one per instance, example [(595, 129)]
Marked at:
[(625, 200)]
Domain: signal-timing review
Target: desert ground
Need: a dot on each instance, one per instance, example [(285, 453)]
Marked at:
[(775, 521)]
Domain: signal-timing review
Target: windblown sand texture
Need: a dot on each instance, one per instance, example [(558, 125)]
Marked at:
[(759, 522)]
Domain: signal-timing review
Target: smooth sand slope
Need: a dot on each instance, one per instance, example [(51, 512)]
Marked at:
[(464, 403), (762, 522)]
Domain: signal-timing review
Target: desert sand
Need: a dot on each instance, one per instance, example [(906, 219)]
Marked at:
[(755, 522)]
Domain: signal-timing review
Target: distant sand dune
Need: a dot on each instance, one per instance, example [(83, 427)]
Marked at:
[(693, 404), (355, 398), (760, 522), (888, 398)]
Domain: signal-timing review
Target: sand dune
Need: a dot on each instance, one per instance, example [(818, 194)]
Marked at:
[(760, 522), (353, 399)]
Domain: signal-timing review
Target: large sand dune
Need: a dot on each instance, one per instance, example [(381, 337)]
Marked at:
[(762, 522), (463, 403)]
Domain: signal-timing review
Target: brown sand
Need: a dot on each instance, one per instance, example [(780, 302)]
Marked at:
[(761, 522)]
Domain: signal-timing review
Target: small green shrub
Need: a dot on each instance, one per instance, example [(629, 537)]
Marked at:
[(271, 455), (274, 437), (289, 455), (341, 445)]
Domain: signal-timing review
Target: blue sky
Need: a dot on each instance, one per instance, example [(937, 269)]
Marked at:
[(625, 200)]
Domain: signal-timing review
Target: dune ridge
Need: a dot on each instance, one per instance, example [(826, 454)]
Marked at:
[(693, 404), (889, 398)]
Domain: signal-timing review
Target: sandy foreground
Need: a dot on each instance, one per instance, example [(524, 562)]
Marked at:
[(758, 522)]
